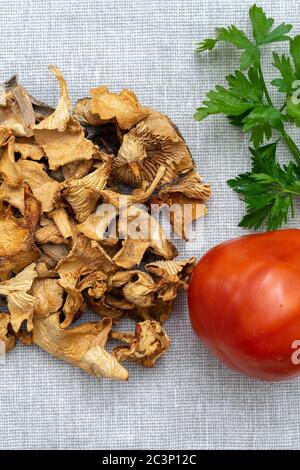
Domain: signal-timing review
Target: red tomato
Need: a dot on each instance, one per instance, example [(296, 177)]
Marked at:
[(244, 303)]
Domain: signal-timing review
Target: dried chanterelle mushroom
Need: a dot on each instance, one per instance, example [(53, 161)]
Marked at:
[(73, 238)]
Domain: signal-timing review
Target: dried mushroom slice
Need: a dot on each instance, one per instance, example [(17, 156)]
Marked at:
[(17, 248), (151, 143), (16, 111), (6, 337), (48, 295), (83, 194), (28, 149), (105, 309), (5, 135), (145, 346), (138, 196), (84, 258), (123, 107), (19, 302), (49, 234), (95, 283), (60, 135), (187, 195), (8, 168), (137, 224), (175, 269), (77, 169), (82, 112), (82, 346), (65, 225), (51, 254), (131, 253), (140, 291), (96, 225), (13, 195), (73, 238), (174, 275), (43, 187)]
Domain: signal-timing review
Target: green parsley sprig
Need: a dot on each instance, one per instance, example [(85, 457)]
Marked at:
[(269, 189)]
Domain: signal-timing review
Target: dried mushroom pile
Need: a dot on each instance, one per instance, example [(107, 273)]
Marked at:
[(57, 167)]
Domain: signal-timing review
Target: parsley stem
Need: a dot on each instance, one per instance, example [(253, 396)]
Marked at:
[(282, 107), (291, 145), (288, 140), (264, 85)]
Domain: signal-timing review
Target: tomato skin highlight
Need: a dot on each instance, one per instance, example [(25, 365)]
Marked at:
[(244, 303)]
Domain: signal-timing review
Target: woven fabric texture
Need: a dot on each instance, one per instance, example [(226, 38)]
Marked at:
[(189, 400)]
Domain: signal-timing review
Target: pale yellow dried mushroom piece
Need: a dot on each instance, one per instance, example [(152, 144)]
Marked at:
[(123, 107), (138, 196), (187, 195), (83, 194), (173, 274), (43, 187), (17, 248), (64, 223), (83, 345), (16, 111), (82, 112), (49, 234), (28, 149), (48, 295), (85, 257), (8, 168), (73, 238), (60, 135), (140, 291), (95, 283), (151, 143), (77, 169), (136, 224), (19, 302), (96, 225), (52, 253), (6, 338), (131, 253), (5, 134), (146, 345)]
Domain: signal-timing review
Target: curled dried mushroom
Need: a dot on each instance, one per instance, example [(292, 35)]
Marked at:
[(73, 238)]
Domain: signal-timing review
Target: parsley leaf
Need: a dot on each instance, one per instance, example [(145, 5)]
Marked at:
[(238, 38), (268, 190), (261, 121), (293, 109), (283, 64), (262, 25), (244, 94), (295, 53)]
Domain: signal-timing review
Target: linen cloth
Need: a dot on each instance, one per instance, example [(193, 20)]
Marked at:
[(189, 400)]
